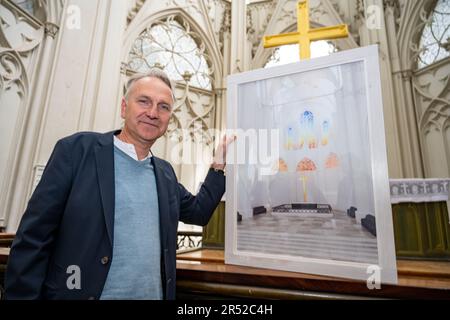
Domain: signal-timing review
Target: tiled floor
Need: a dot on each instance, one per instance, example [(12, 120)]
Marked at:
[(337, 238)]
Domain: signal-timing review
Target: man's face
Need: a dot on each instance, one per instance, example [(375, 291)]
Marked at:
[(148, 110)]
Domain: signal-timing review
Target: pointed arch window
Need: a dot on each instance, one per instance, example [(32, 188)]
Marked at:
[(435, 40), (172, 46), (289, 53)]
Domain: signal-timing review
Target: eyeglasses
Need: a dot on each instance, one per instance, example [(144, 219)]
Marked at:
[(146, 103)]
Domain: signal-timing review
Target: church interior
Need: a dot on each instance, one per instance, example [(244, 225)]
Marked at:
[(64, 65)]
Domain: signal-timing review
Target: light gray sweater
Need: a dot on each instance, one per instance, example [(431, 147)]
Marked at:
[(135, 272)]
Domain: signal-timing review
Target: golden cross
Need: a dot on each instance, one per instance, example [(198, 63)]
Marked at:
[(305, 195), (304, 36)]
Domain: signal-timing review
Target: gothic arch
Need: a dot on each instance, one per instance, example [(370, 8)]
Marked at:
[(14, 77), (430, 86), (137, 26), (435, 109), (410, 30), (14, 81), (214, 63)]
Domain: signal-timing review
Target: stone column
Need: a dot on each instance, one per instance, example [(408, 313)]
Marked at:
[(373, 31), (238, 35), (221, 96), (404, 104)]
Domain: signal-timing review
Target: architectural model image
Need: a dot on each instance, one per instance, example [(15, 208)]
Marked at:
[(318, 200)]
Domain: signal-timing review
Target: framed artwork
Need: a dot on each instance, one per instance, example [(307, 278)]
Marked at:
[(307, 178)]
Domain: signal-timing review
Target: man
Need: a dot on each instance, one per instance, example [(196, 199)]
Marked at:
[(102, 223)]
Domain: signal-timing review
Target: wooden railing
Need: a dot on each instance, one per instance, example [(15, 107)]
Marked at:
[(6, 240)]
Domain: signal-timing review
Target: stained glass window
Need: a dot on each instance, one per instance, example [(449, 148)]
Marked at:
[(172, 46), (290, 53), (435, 41)]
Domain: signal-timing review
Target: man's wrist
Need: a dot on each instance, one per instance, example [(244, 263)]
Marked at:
[(218, 167)]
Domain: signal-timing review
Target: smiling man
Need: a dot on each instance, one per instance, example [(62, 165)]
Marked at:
[(102, 223)]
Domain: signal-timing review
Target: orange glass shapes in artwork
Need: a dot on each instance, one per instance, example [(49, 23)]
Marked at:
[(306, 164), (282, 166), (332, 161)]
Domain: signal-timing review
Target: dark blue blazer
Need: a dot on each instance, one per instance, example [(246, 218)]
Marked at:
[(70, 221)]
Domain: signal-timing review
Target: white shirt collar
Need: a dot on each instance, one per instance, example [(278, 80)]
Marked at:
[(129, 149)]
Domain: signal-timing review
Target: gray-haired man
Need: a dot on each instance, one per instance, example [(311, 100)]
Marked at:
[(106, 210)]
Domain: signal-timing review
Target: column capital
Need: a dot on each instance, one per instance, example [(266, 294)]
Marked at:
[(51, 29)]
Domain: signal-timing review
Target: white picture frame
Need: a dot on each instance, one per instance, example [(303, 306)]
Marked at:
[(282, 237)]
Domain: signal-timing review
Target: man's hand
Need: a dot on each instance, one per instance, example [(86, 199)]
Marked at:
[(220, 155)]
